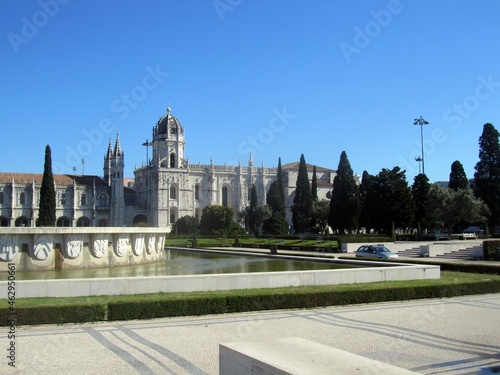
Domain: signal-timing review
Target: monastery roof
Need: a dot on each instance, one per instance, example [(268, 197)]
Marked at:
[(59, 179), (295, 167), (167, 122)]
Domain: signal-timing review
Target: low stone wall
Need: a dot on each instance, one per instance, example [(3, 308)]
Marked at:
[(190, 283), (33, 249)]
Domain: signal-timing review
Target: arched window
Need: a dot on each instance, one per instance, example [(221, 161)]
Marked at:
[(173, 192), (63, 199), (83, 222), (63, 222), (22, 198), (83, 200), (4, 222), (103, 200), (102, 223), (172, 217), (197, 192), (224, 196), (22, 222), (172, 160)]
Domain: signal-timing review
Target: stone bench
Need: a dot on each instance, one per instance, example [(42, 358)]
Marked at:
[(293, 356), (472, 236)]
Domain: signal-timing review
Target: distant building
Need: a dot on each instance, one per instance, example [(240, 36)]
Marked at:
[(162, 191)]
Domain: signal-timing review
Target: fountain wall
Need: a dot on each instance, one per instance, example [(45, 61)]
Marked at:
[(54, 248)]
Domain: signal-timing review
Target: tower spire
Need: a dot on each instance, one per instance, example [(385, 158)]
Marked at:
[(118, 147)]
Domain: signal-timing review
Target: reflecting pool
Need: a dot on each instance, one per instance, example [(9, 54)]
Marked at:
[(179, 262)]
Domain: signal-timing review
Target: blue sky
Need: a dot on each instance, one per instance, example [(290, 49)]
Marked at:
[(275, 78)]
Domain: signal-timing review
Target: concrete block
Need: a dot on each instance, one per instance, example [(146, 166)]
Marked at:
[(296, 356)]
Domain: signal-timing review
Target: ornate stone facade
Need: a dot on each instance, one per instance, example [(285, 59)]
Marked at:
[(163, 190)]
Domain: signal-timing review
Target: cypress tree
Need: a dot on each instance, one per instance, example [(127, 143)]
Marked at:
[(276, 224), (344, 204), (458, 178), (314, 185), (303, 200), (487, 175), (252, 212), (47, 207)]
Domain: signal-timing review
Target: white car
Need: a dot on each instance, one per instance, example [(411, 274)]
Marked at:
[(375, 252)]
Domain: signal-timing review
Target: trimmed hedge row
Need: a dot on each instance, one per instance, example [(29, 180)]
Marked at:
[(90, 312), (170, 305)]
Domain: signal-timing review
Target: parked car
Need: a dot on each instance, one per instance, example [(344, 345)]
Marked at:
[(375, 252)]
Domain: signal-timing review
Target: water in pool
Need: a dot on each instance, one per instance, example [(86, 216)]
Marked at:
[(178, 262)]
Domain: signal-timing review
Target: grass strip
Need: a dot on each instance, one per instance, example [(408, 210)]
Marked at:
[(32, 311)]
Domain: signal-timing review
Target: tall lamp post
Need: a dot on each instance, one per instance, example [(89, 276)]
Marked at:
[(147, 144), (420, 121), (419, 160)]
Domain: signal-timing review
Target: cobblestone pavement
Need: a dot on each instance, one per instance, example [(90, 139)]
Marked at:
[(438, 336)]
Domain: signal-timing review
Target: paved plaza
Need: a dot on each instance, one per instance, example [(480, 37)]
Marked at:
[(436, 336)]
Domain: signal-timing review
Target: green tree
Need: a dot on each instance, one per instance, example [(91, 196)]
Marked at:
[(397, 198), (303, 200), (487, 175), (275, 199), (391, 201), (420, 190), (252, 212), (314, 185), (345, 205), (186, 225), (276, 224), (458, 178), (368, 201), (320, 213), (216, 220), (449, 207), (47, 207)]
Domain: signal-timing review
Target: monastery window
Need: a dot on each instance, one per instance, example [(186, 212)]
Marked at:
[(1, 197), (4, 222), (83, 201), (197, 192), (83, 222), (63, 199), (22, 198), (173, 192), (22, 222), (102, 223), (63, 222), (172, 217), (224, 196), (172, 160), (103, 200)]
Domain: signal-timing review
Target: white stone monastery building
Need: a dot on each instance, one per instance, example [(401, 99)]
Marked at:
[(162, 191)]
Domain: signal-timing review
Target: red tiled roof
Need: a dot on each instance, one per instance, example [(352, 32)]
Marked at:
[(59, 179), (295, 167)]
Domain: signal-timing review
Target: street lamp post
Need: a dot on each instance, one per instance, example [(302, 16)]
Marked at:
[(147, 144), (420, 121), (419, 160)]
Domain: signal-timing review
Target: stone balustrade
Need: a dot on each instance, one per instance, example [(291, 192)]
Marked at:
[(54, 248)]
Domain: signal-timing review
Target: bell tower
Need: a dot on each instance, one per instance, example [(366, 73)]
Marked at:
[(115, 162), (168, 143)]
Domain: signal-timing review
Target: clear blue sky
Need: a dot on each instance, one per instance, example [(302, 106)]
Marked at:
[(279, 78)]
